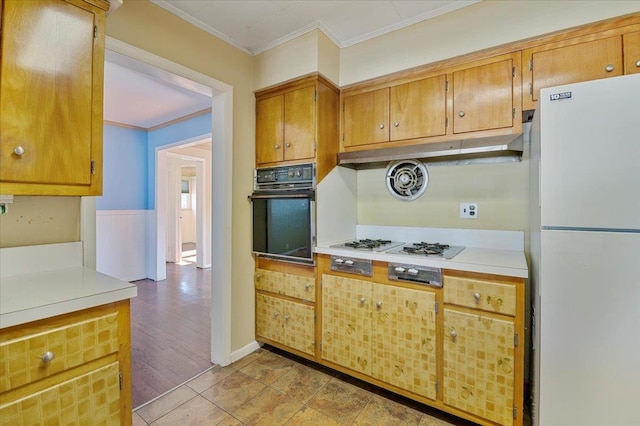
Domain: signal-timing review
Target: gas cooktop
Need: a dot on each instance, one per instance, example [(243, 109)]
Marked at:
[(429, 249), (368, 245)]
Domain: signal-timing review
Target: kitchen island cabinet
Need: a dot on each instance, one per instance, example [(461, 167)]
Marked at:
[(51, 80), (69, 369), (285, 306), (297, 122)]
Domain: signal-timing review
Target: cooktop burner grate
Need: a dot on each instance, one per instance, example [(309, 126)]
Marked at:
[(426, 248), (367, 243)]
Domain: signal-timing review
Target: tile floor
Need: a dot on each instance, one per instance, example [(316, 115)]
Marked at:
[(269, 387)]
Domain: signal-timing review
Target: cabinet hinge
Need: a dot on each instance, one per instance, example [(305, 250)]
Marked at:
[(515, 340), (446, 122), (315, 95), (437, 307), (437, 386), (531, 64), (343, 107), (513, 72), (120, 380), (514, 113), (530, 89), (446, 85), (315, 147), (515, 411), (93, 167), (95, 31)]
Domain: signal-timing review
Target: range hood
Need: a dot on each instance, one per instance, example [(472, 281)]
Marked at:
[(496, 149)]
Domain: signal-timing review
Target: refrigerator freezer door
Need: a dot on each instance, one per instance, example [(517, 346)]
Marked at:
[(590, 154), (589, 328)]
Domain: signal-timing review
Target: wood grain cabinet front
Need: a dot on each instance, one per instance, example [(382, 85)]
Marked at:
[(631, 46), (51, 85), (383, 331), (69, 369), (285, 306), (483, 340), (412, 110)]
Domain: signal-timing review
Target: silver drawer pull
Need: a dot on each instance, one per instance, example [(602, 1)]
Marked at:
[(275, 314), (381, 126), (362, 300), (286, 317), (638, 63), (287, 145), (476, 296), (379, 305), (48, 356), (18, 150), (460, 113), (609, 68), (348, 262), (307, 286), (396, 124), (453, 334)]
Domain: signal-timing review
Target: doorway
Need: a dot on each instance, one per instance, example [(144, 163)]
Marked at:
[(221, 186)]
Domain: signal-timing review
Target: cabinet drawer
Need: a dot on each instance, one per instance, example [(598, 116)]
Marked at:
[(92, 398), (479, 294), (291, 285), (72, 345)]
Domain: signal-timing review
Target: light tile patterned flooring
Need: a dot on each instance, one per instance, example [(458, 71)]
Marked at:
[(267, 388)]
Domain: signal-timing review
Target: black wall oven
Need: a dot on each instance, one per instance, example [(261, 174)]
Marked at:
[(283, 209)]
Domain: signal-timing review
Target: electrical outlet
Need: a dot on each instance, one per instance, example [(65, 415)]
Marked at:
[(468, 210)]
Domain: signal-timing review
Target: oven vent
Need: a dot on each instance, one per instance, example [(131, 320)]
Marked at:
[(407, 179)]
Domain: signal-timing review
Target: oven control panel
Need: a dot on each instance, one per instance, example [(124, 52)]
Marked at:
[(299, 176), (418, 274), (352, 265)]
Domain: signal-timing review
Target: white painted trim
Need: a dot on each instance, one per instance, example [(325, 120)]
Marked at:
[(244, 351), (222, 177), (88, 231)]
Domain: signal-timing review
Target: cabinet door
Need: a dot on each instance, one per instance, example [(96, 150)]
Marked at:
[(89, 399), (299, 124), (404, 338), (269, 129), (631, 44), (418, 109), (478, 370), (366, 118), (299, 326), (346, 322), (483, 97), (269, 317), (571, 64), (46, 92)]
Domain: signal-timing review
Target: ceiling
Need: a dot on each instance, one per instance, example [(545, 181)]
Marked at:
[(138, 96)]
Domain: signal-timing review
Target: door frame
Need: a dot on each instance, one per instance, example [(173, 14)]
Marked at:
[(221, 189)]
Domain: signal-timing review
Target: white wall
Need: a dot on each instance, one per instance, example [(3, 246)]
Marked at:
[(121, 243)]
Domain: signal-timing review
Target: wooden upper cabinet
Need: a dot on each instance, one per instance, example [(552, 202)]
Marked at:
[(486, 95), (366, 118), (558, 63), (299, 123), (418, 109), (285, 126), (51, 85), (631, 48), (406, 111)]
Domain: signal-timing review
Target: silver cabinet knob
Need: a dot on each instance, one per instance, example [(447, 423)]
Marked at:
[(307, 286), (362, 300), (277, 146), (379, 304), (258, 277), (476, 296), (48, 356), (275, 314), (286, 317), (461, 113), (287, 145), (18, 150), (412, 271), (453, 334), (381, 126), (638, 63), (396, 124), (609, 68), (348, 262)]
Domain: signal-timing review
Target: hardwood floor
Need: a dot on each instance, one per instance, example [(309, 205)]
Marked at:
[(170, 330)]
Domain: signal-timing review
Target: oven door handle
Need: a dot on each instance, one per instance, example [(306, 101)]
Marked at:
[(282, 195)]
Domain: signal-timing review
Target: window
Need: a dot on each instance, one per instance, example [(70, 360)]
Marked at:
[(185, 195)]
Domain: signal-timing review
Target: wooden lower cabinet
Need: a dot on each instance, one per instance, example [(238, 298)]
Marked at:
[(384, 331), (69, 369), (285, 306)]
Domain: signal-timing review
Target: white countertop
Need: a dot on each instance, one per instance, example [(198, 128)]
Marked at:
[(39, 282), (488, 252)]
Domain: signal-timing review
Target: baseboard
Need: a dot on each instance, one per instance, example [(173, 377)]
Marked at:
[(244, 351)]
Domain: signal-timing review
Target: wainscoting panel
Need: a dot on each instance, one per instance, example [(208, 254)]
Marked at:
[(121, 243)]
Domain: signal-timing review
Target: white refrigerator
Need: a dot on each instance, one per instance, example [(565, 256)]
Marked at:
[(585, 253)]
